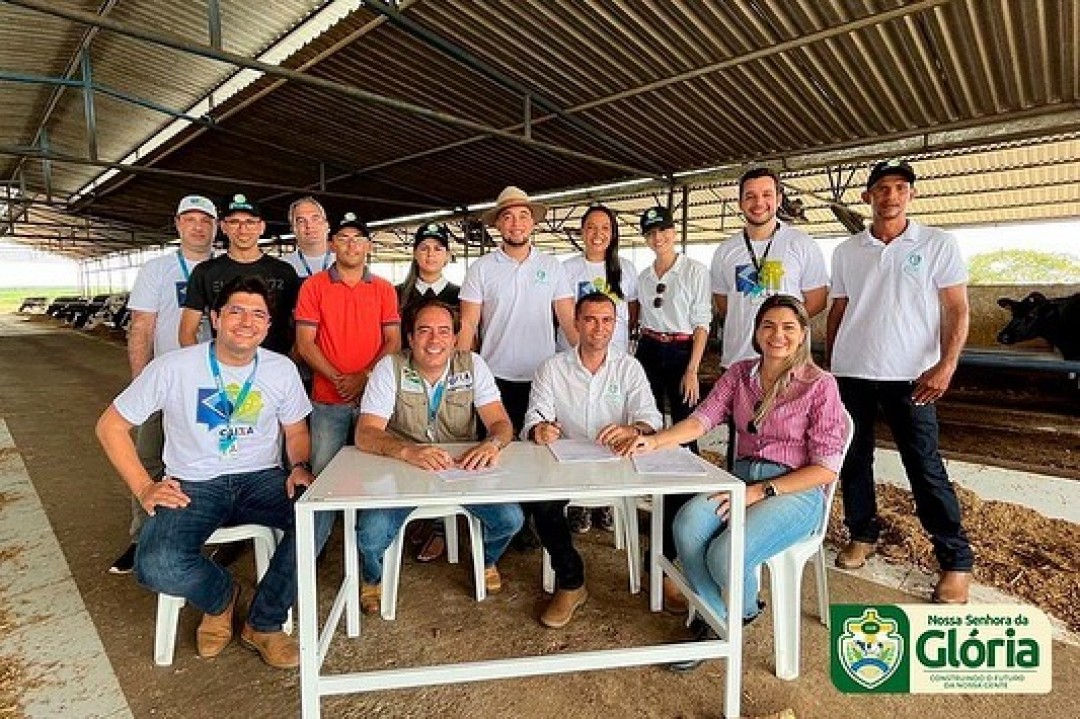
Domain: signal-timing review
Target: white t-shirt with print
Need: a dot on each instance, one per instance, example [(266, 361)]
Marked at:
[(182, 385), (517, 330), (586, 277), (380, 395), (794, 264), (891, 328), (160, 287)]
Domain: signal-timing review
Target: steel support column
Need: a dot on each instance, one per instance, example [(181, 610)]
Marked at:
[(88, 104)]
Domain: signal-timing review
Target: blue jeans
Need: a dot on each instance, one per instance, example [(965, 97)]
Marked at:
[(772, 525), (376, 529), (915, 430), (330, 425), (169, 558)]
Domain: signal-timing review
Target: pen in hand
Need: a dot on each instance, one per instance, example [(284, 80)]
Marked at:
[(551, 423)]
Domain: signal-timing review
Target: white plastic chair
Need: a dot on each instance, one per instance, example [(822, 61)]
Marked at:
[(626, 534), (785, 581), (265, 540), (392, 555)]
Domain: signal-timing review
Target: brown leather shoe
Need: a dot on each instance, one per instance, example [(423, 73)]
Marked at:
[(560, 610), (277, 649), (370, 598), (952, 588), (492, 580), (674, 601), (855, 554), (216, 630)]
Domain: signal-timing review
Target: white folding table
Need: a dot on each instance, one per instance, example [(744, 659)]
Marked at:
[(355, 480)]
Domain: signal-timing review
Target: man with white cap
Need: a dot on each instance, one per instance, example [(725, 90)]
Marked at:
[(507, 300), (155, 303), (243, 225)]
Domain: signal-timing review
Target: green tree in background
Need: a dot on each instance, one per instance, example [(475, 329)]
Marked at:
[(1023, 267)]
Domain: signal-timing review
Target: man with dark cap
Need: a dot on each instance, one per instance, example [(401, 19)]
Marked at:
[(346, 321), (897, 325), (243, 225)]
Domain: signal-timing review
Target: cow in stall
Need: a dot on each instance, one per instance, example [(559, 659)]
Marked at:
[(1055, 320)]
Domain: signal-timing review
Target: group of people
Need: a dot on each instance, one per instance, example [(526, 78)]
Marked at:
[(230, 430)]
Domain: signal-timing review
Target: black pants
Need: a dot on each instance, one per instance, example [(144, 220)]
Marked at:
[(515, 397), (915, 430), (665, 364), (554, 532)]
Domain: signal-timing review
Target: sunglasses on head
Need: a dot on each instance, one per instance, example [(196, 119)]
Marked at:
[(658, 301)]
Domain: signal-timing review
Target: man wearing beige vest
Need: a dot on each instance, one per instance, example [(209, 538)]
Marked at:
[(429, 394)]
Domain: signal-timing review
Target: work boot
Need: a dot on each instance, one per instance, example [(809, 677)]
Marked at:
[(952, 588), (277, 649), (674, 601), (855, 554), (579, 519), (370, 598), (216, 630), (560, 610), (605, 518), (492, 580)]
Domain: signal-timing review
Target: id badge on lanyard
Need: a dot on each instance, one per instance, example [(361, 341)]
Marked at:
[(228, 446)]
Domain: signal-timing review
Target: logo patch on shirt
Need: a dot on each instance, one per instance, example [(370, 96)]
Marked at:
[(410, 381), (541, 277), (913, 263), (181, 293), (612, 393), (458, 382)]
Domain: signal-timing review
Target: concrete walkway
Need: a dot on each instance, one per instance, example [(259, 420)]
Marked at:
[(48, 633)]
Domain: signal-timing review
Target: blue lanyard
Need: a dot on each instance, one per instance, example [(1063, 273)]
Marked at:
[(303, 260), (183, 265), (229, 408)]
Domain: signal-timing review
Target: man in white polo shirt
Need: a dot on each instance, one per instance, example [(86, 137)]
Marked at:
[(765, 258), (507, 299), (593, 392), (897, 325), (157, 298)]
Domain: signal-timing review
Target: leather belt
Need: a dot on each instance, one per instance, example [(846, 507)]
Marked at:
[(666, 336)]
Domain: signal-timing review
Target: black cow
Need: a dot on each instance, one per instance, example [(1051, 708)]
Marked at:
[(1056, 320)]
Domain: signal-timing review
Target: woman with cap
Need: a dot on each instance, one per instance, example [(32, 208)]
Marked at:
[(431, 254), (600, 269), (676, 310), (790, 434)]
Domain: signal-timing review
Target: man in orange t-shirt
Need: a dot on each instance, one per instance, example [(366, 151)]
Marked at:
[(346, 321)]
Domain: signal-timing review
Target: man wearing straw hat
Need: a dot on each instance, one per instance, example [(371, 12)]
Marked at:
[(507, 300)]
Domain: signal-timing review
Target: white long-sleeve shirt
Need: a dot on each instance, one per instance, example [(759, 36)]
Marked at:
[(583, 403)]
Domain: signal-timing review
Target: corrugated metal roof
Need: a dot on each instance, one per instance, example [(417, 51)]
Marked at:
[(645, 89)]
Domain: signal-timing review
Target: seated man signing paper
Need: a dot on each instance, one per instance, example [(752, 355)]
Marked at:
[(431, 394), (593, 392)]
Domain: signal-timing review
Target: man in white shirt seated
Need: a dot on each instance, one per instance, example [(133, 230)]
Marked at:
[(432, 393), (593, 392), (227, 405)]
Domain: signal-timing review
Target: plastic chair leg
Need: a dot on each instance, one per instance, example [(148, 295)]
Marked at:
[(168, 616), (450, 525), (476, 542)]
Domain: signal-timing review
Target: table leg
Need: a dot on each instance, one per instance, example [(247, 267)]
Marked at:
[(352, 576), (736, 557), (656, 541), (308, 611)]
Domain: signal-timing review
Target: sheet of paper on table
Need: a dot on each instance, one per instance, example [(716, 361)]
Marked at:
[(581, 450), (455, 473), (678, 460)]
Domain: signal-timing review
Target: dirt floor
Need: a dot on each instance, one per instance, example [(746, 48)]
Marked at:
[(56, 384)]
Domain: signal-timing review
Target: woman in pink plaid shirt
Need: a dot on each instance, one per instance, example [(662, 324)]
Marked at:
[(790, 433)]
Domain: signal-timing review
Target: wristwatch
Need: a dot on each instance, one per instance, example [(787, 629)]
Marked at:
[(770, 489), (305, 465), (495, 441)]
